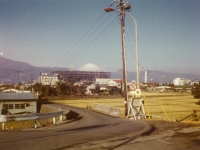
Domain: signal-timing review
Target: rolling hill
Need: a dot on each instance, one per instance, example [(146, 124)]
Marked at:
[(14, 71)]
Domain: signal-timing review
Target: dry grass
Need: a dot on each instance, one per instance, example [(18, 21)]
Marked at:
[(176, 105), (19, 125)]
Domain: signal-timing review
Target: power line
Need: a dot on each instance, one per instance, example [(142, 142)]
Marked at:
[(92, 41), (86, 33)]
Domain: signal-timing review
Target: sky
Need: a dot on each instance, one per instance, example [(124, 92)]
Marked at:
[(72, 33)]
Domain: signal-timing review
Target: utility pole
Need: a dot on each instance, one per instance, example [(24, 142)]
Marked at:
[(40, 76), (122, 20), (18, 76), (31, 80), (40, 83)]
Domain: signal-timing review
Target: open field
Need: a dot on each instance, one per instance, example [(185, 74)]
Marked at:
[(176, 105)]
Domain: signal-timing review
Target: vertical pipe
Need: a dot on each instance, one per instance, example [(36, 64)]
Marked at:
[(145, 77)]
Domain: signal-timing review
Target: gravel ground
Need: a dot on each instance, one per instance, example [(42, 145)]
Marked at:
[(161, 126)]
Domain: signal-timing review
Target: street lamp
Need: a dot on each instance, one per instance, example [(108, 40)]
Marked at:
[(108, 9)]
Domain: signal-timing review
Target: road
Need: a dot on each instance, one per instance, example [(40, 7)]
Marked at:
[(88, 129)]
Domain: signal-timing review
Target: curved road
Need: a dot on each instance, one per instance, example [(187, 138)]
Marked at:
[(88, 128)]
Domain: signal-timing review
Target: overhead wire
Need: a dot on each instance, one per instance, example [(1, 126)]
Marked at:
[(76, 51), (63, 56), (58, 62), (141, 55), (92, 42)]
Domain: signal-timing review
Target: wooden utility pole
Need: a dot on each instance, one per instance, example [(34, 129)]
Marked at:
[(18, 76), (40, 82), (122, 20)]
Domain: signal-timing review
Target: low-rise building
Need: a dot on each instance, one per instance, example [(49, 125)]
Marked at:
[(115, 83), (46, 79), (13, 103)]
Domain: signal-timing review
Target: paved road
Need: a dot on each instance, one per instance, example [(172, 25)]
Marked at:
[(89, 129)]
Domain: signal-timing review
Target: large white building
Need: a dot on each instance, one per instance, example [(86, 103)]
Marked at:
[(181, 81), (51, 79)]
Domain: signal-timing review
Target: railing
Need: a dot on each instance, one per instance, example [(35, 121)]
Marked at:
[(26, 117)]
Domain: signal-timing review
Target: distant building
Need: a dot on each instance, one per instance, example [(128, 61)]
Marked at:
[(195, 82), (181, 81), (116, 83), (51, 79), (102, 81), (13, 103), (14, 91), (83, 76), (90, 89)]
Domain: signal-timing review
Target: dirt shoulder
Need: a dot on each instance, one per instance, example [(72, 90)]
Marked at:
[(161, 126)]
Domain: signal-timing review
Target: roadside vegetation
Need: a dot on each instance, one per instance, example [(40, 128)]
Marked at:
[(69, 90)]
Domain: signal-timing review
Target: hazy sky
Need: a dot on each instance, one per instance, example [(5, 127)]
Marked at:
[(60, 33)]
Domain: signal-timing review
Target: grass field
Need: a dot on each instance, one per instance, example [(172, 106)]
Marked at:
[(177, 106)]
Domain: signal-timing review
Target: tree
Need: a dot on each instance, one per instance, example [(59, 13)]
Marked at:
[(196, 90), (97, 89), (61, 88), (37, 87)]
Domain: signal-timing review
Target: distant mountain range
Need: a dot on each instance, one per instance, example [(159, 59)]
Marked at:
[(15, 71)]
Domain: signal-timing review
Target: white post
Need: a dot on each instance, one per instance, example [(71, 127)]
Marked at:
[(3, 126), (60, 117), (54, 120), (35, 124)]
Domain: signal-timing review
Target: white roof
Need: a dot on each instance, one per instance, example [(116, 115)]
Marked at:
[(163, 87)]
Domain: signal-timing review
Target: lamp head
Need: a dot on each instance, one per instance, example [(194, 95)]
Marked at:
[(108, 9)]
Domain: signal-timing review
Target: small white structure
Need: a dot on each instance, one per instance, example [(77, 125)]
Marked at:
[(102, 81), (115, 83), (162, 88)]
